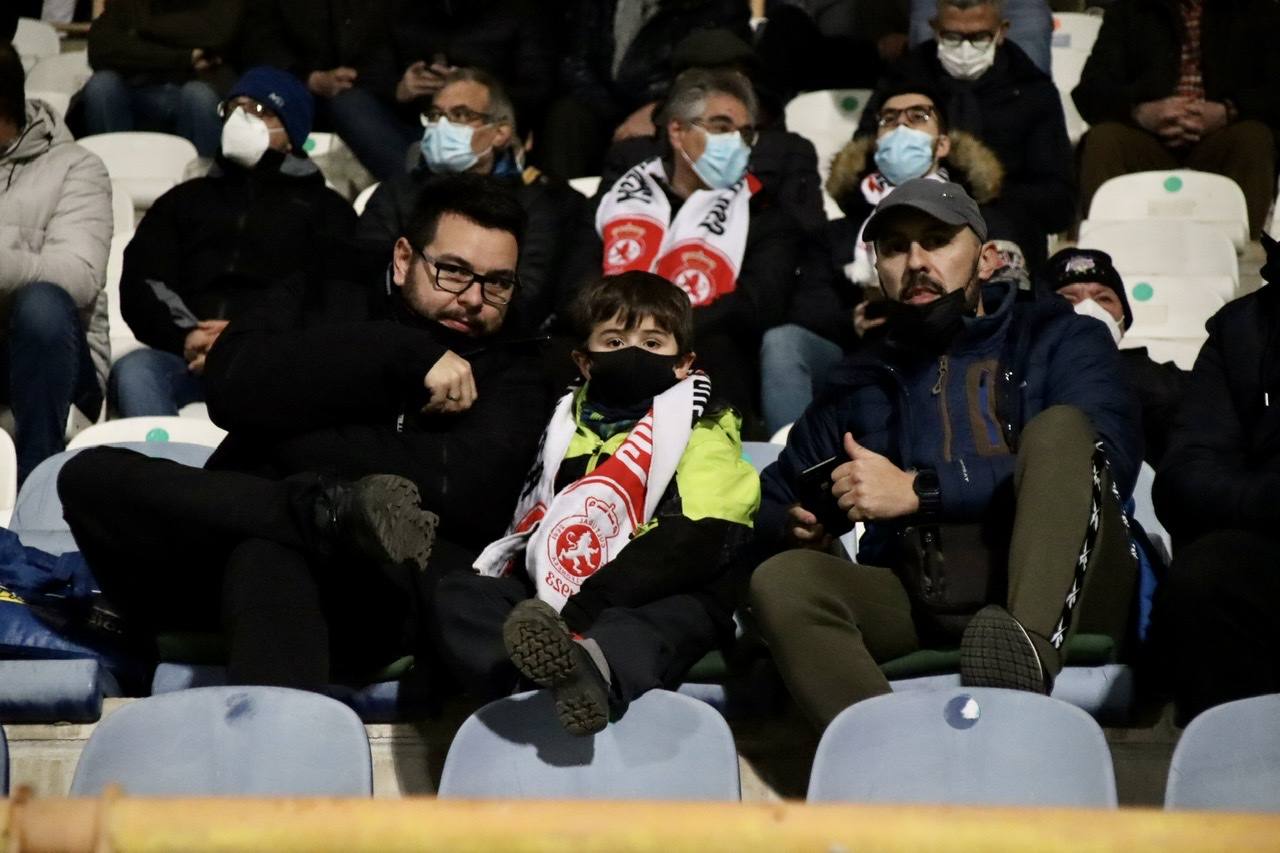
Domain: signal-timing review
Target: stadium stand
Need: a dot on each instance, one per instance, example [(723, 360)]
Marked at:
[(248, 741), (975, 746), (666, 746), (1229, 759)]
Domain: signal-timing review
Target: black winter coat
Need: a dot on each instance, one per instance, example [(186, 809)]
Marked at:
[(220, 241), (552, 208), (1016, 111), (1222, 469), (1138, 55), (329, 378), (302, 36), (150, 41)]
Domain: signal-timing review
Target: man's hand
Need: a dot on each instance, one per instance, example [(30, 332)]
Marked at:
[(869, 487), (1209, 116), (198, 342), (639, 123), (452, 387), (861, 325), (1164, 117), (330, 84), (804, 529), (418, 81)]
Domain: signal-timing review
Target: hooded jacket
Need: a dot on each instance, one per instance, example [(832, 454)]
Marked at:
[(213, 245), (56, 223), (962, 412)]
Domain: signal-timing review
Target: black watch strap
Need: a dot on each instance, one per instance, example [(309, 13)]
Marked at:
[(927, 490)]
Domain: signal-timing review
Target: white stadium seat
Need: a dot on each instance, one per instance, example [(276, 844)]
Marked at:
[(150, 429), (1074, 32), (8, 478), (64, 72), (123, 341), (35, 40), (362, 200), (828, 119), (121, 210), (1178, 194), (147, 165), (1162, 248), (587, 186)]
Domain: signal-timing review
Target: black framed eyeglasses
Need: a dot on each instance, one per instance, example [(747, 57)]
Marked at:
[(917, 115), (718, 125), (249, 105), (980, 40), (496, 290), (457, 115)]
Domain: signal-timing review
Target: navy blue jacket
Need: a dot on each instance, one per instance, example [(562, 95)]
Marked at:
[(962, 413)]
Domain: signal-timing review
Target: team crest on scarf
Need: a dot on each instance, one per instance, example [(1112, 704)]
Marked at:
[(700, 250)]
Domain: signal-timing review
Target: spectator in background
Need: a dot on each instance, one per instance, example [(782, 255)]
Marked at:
[(162, 65), (695, 215), (912, 141), (209, 249), (987, 442), (1086, 279), (1215, 627), (616, 69), (55, 233), (470, 127), (322, 44), (1030, 26), (423, 42), (988, 87), (1184, 84)]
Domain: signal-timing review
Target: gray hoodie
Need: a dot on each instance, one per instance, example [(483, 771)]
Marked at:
[(55, 222)]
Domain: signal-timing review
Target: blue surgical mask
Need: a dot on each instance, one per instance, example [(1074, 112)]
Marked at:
[(447, 147), (723, 161), (904, 153)]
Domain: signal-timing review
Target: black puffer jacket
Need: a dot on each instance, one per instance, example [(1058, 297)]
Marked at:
[(1138, 54), (302, 36), (218, 242)]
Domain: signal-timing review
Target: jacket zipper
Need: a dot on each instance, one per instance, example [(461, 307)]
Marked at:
[(940, 391)]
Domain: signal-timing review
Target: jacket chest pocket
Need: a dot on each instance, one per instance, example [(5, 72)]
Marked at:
[(981, 392)]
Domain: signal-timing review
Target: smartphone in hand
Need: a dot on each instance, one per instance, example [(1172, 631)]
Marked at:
[(814, 490)]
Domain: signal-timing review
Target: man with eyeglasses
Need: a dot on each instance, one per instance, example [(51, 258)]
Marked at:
[(208, 249), (361, 417), (988, 87), (470, 127), (696, 216)]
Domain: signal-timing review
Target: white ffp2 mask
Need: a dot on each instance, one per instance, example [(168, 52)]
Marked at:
[(1090, 308), (245, 138), (966, 62)]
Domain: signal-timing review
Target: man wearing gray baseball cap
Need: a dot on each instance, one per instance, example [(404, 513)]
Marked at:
[(986, 443)]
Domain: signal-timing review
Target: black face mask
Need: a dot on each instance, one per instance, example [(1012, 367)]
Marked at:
[(629, 375), (930, 327)]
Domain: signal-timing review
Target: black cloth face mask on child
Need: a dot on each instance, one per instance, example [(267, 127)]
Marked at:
[(629, 375)]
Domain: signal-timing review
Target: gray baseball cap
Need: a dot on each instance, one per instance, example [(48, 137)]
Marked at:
[(943, 200)]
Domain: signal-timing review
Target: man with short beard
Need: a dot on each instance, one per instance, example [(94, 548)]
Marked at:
[(987, 444)]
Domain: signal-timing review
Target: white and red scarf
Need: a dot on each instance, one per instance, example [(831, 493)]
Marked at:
[(700, 250), (565, 538)]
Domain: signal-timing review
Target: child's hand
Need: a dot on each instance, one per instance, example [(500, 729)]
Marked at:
[(452, 387)]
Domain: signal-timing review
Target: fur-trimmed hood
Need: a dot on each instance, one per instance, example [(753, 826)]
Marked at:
[(971, 164)]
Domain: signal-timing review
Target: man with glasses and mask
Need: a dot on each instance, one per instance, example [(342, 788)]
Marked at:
[(986, 442), (470, 127), (361, 416), (988, 87), (209, 248), (697, 217)]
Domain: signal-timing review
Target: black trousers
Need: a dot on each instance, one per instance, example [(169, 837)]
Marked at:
[(647, 647), (1215, 627), (176, 548)]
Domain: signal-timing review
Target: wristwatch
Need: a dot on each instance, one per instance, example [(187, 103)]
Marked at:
[(927, 490)]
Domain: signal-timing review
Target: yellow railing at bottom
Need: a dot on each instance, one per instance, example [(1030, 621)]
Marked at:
[(124, 825)]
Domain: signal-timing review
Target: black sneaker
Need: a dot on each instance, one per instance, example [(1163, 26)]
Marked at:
[(543, 649), (380, 517), (996, 651)]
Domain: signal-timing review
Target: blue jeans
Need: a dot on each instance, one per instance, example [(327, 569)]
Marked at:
[(379, 137), (190, 110), (794, 365), (1030, 26), (152, 382), (49, 368)]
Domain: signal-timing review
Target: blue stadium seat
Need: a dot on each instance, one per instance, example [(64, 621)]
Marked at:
[(761, 454), (1229, 759), (248, 741), (54, 691), (1105, 692), (666, 746), (977, 746)]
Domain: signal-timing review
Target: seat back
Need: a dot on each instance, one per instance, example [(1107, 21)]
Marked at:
[(827, 118), (1067, 67), (64, 72), (150, 430), (1182, 248), (147, 165), (1073, 32), (966, 746), (586, 186), (761, 454), (666, 746), (246, 741), (1180, 194), (121, 210), (37, 513), (1229, 758), (35, 40), (1169, 306), (8, 477), (362, 200), (123, 341), (1144, 510)]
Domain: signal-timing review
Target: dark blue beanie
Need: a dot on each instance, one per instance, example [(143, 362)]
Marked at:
[(282, 93)]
